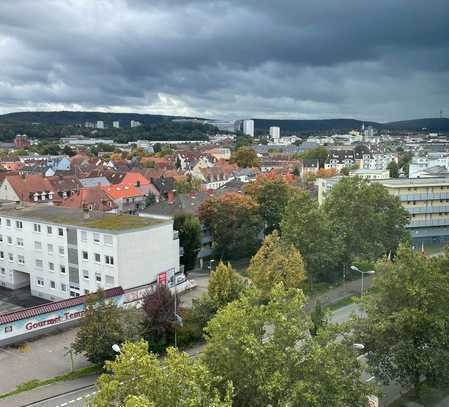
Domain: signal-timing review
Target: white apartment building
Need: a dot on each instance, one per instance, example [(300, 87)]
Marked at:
[(275, 133), (62, 253), (116, 124), (370, 174), (377, 161), (248, 127), (100, 124), (135, 123)]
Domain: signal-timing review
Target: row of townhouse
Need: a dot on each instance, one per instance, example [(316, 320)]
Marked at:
[(62, 253)]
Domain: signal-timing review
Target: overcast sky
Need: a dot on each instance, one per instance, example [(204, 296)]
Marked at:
[(367, 59)]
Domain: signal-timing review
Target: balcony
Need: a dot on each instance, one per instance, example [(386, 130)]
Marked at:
[(427, 209), (428, 223), (424, 197)]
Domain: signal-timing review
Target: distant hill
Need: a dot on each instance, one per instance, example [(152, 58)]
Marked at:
[(312, 125), (430, 124), (66, 118)]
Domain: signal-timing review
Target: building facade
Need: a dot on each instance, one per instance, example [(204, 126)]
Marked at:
[(62, 253), (248, 127), (275, 133)]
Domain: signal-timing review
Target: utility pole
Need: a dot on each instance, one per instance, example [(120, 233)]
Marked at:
[(69, 351)]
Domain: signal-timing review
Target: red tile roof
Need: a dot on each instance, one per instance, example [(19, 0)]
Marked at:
[(91, 198), (121, 191), (26, 186), (53, 306), (135, 178)]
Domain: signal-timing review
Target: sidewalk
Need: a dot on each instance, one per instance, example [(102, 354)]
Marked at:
[(40, 358)]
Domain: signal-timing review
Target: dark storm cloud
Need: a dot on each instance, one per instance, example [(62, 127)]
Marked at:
[(379, 60)]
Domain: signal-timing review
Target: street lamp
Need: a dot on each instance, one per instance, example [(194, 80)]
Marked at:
[(116, 348), (354, 268)]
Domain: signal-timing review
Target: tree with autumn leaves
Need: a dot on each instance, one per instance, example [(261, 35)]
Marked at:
[(234, 221), (271, 194)]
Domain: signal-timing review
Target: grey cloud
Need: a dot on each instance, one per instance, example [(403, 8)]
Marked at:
[(377, 60)]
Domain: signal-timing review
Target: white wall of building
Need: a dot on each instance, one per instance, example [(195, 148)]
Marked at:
[(248, 127)]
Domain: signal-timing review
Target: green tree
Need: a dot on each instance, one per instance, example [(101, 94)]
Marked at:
[(103, 325), (306, 227), (138, 379), (405, 331), (319, 318), (320, 153), (233, 220), (242, 140), (245, 157), (266, 351), (370, 221), (150, 199), (225, 285), (276, 261), (189, 229), (67, 150), (272, 196), (394, 169)]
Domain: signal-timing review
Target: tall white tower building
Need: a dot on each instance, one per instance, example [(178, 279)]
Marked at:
[(248, 127), (275, 133), (116, 124), (100, 124)]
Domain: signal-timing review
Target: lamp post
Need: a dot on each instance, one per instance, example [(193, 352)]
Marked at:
[(354, 268)]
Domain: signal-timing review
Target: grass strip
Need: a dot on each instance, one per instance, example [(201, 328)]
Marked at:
[(33, 384)]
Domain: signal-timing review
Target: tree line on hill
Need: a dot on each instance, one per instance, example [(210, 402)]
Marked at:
[(164, 131)]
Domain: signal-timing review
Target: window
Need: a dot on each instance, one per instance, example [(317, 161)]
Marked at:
[(19, 224), (83, 236), (61, 250), (37, 245), (8, 223), (2, 255), (107, 239), (60, 231), (10, 257), (49, 230), (109, 280), (19, 242), (86, 292), (20, 259), (52, 285), (50, 248), (85, 256), (74, 294), (9, 239), (96, 238), (37, 228), (0, 221), (3, 271), (1, 238), (51, 266), (40, 282), (62, 269), (63, 287), (8, 329), (98, 277), (109, 260), (39, 263), (86, 274), (97, 257)]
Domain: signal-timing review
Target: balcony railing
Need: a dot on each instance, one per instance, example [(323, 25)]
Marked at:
[(424, 197), (427, 209), (429, 222)]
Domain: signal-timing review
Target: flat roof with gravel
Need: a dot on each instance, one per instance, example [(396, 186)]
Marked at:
[(78, 217)]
